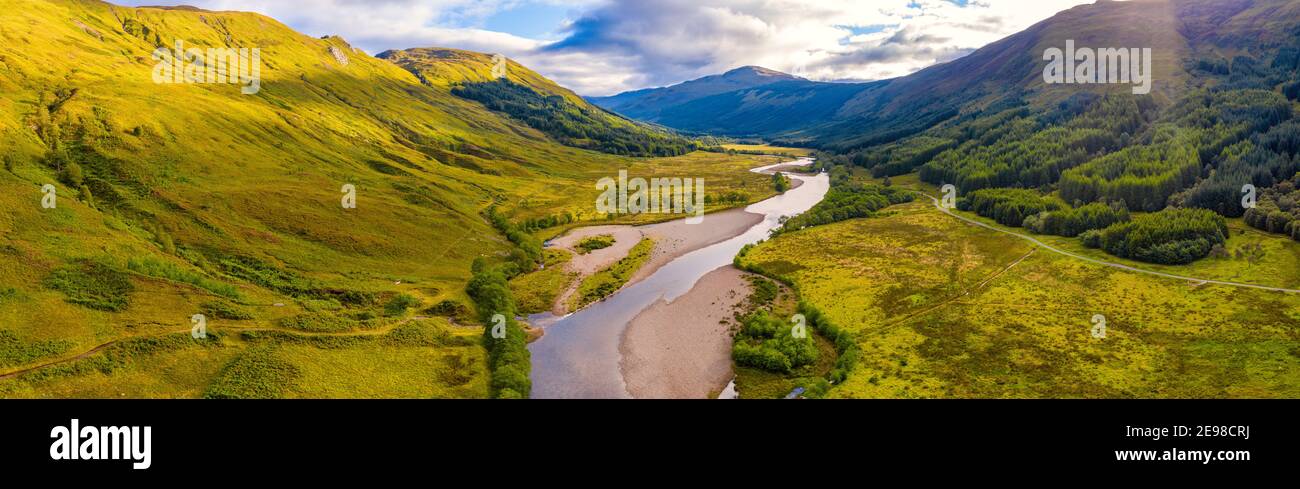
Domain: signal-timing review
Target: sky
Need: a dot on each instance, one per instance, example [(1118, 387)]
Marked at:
[(603, 47)]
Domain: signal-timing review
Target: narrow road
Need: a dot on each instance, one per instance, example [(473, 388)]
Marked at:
[(1031, 239)]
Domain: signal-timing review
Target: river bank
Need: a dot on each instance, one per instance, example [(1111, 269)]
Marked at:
[(582, 354), (682, 349)]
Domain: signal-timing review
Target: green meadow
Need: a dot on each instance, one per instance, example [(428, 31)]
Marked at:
[(941, 308), (183, 199)]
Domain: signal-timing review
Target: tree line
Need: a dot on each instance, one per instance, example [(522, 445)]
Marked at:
[(1169, 237), (847, 201), (572, 124)]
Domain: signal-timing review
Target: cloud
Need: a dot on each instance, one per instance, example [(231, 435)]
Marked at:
[(615, 45)]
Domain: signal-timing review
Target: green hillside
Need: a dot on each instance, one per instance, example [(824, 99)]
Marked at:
[(183, 199)]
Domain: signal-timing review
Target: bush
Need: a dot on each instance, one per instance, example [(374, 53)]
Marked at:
[(595, 243), (94, 285), (780, 182), (1091, 239), (258, 373), (167, 270), (72, 175), (224, 310), (448, 308), (508, 358), (399, 304), (768, 343), (845, 345)]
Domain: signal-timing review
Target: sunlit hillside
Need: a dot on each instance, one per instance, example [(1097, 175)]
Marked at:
[(179, 199)]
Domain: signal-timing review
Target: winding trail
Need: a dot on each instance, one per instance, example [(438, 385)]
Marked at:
[(1031, 239), (964, 293)]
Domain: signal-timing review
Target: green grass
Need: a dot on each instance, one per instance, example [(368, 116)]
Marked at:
[(769, 149), (209, 201), (94, 285), (257, 373), (606, 282), (911, 287), (536, 292), (160, 269)]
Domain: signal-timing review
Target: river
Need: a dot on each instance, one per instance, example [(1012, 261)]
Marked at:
[(579, 356)]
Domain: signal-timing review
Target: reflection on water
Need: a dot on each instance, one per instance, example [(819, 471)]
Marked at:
[(579, 355)]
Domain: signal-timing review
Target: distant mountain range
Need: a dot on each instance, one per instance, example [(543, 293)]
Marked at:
[(847, 116), (649, 104), (748, 101)]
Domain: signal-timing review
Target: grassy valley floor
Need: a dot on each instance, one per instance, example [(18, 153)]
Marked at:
[(945, 309)]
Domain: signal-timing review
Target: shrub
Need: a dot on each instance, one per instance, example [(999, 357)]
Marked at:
[(1091, 239), (508, 358), (780, 182), (399, 304), (448, 308), (167, 270), (595, 243), (258, 373), (768, 343), (224, 310), (93, 284), (72, 175)]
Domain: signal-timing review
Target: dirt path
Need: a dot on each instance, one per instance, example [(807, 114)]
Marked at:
[(964, 293)]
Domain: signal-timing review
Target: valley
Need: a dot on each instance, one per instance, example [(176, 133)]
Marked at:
[(975, 229)]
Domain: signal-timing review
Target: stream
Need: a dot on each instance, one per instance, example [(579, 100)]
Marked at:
[(579, 355)]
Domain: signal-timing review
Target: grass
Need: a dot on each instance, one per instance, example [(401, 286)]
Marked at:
[(209, 201), (160, 269), (387, 372), (536, 292), (257, 373), (94, 285), (606, 282), (924, 298), (769, 149)]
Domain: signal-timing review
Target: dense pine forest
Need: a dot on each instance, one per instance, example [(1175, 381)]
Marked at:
[(1079, 166), (571, 124)]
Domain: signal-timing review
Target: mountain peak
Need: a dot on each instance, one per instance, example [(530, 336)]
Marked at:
[(647, 104), (757, 71)]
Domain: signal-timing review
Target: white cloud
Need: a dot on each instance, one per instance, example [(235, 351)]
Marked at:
[(617, 45)]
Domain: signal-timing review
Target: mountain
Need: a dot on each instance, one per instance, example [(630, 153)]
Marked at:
[(1005, 73), (531, 99), (649, 104), (168, 199), (1221, 115)]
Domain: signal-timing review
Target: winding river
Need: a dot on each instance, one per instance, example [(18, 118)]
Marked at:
[(579, 355)]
